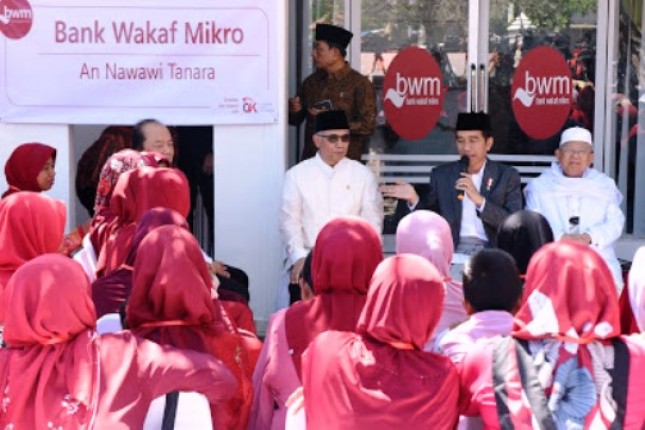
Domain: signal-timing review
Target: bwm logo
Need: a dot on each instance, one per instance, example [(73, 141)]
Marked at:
[(541, 86), (16, 18)]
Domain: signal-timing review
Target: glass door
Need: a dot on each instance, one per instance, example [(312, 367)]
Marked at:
[(536, 66)]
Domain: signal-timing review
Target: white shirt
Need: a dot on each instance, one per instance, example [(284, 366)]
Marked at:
[(594, 199), (315, 193), (471, 224)]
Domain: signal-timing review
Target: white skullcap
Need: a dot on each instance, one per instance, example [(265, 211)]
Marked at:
[(577, 134)]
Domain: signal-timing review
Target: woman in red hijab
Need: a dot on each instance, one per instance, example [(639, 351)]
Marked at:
[(30, 167), (118, 163), (111, 291), (346, 252), (137, 191), (380, 377), (31, 224), (172, 304), (563, 366), (56, 373)]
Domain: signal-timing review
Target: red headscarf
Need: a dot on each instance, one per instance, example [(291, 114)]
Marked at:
[(47, 374), (569, 295), (137, 191), (569, 311), (380, 377), (346, 252), (31, 224), (117, 164), (172, 303), (24, 165), (111, 291)]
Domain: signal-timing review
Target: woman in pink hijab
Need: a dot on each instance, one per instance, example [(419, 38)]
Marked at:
[(57, 373), (345, 255), (563, 365), (428, 234), (380, 377), (30, 167), (31, 224)]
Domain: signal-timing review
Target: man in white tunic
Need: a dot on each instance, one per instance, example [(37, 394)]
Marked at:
[(580, 203), (324, 187)]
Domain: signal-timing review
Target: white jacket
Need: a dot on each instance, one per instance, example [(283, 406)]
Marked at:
[(314, 193), (594, 198)]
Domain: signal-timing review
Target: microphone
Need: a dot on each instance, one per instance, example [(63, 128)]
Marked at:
[(463, 167)]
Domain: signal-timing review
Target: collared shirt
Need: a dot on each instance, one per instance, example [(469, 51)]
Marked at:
[(314, 193), (471, 224), (347, 90)]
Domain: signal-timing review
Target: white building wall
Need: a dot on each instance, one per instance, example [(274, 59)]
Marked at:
[(250, 162)]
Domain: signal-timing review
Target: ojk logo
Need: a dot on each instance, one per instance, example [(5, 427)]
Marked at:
[(249, 105), (413, 93), (542, 92), (16, 18)]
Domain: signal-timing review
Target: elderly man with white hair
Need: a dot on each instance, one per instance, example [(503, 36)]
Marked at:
[(580, 203)]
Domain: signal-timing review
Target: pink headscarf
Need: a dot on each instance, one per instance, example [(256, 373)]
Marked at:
[(24, 165), (31, 224), (428, 234), (569, 312), (48, 374), (345, 255), (380, 377)]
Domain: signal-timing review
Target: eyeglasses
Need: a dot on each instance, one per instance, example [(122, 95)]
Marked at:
[(333, 138), (576, 151)]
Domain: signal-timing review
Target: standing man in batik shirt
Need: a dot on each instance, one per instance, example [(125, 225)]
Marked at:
[(335, 86)]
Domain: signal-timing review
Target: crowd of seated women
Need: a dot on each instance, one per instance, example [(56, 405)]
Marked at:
[(133, 331)]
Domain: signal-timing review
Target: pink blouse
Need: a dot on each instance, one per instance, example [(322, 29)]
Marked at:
[(275, 378)]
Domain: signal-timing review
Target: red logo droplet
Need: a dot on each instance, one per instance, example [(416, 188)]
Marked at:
[(413, 93), (542, 92), (16, 18)]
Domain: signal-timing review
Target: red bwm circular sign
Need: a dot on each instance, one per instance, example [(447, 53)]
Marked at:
[(413, 93), (542, 92), (16, 18)]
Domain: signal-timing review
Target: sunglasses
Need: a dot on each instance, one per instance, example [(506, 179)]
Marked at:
[(333, 138)]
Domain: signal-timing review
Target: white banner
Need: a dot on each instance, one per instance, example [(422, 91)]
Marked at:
[(116, 62)]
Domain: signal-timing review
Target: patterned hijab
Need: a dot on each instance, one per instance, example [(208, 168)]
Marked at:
[(569, 312)]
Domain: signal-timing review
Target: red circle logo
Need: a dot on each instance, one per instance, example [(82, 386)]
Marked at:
[(542, 92), (16, 18), (413, 93)]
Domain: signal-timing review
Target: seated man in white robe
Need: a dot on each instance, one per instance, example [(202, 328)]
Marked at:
[(324, 187), (580, 203)]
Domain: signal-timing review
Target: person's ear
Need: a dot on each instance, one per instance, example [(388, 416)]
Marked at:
[(489, 143), (469, 309)]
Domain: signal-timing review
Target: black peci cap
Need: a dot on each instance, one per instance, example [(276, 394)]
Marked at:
[(333, 34), (331, 120), (473, 121)]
